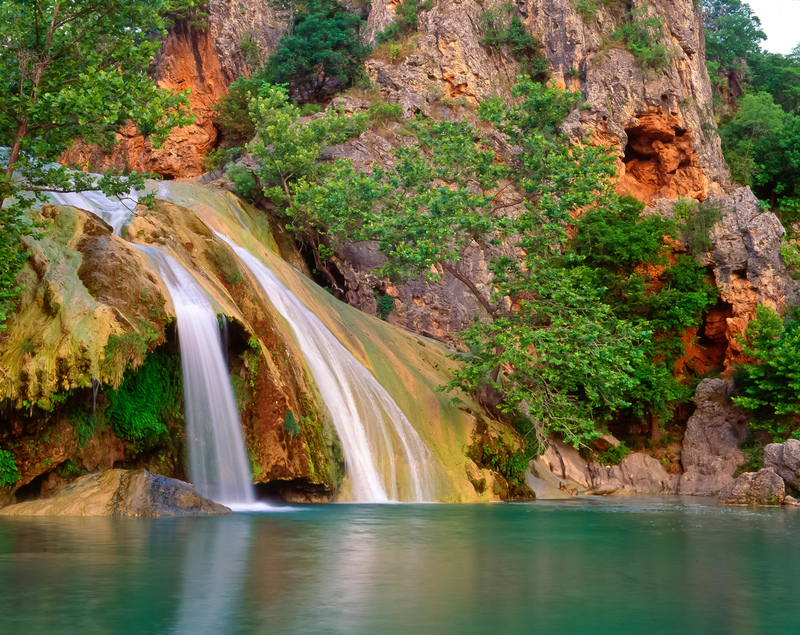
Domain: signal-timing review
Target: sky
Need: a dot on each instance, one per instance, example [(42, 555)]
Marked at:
[(780, 20)]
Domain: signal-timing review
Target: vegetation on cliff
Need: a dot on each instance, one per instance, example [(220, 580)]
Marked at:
[(72, 71), (757, 102)]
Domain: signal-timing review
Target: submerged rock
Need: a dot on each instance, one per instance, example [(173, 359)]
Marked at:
[(121, 493), (764, 487), (714, 434), (784, 458)]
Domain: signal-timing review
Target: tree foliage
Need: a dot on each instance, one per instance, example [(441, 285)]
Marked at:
[(72, 70), (322, 45), (769, 384), (566, 343)]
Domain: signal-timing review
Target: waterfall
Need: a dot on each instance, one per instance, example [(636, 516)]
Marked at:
[(114, 211), (369, 423), (218, 465)]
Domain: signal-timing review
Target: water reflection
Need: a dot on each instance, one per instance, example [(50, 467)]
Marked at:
[(613, 567)]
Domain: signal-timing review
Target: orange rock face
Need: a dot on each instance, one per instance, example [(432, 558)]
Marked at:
[(187, 60), (660, 160)]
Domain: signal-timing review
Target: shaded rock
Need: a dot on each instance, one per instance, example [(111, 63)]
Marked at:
[(566, 463), (784, 458), (637, 473), (791, 501), (764, 487), (121, 493), (713, 436)]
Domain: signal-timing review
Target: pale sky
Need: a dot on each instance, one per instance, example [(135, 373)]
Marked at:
[(780, 20)]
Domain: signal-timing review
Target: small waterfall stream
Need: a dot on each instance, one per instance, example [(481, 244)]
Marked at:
[(370, 424), (218, 465)]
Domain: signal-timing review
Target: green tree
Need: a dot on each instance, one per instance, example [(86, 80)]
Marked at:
[(72, 70), (322, 45), (732, 31), (550, 353), (769, 384), (288, 150)]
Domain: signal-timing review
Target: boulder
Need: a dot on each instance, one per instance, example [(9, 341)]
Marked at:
[(791, 501), (764, 487), (711, 453), (784, 458), (121, 493)]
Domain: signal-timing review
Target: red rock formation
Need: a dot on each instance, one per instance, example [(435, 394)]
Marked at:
[(660, 160), (187, 61)]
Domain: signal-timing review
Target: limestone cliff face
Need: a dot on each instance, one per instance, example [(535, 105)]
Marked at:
[(658, 122)]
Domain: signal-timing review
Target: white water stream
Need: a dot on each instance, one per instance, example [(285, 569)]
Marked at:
[(373, 430), (218, 465)]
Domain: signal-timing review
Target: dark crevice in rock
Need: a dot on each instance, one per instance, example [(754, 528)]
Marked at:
[(298, 490)]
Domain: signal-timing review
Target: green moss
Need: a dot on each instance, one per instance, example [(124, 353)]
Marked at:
[(241, 391), (69, 469), (290, 425), (146, 399), (324, 450), (226, 262)]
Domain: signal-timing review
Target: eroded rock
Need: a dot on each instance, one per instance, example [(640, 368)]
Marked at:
[(784, 458), (121, 493), (714, 434), (764, 487)]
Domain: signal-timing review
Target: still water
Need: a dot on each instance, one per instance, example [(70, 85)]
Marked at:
[(643, 565)]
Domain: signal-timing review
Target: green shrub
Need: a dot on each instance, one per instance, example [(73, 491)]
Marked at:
[(770, 384), (697, 219), (244, 183), (69, 469), (146, 400), (640, 34), (406, 20), (385, 306), (614, 454), (323, 44), (383, 114), (502, 27), (9, 474)]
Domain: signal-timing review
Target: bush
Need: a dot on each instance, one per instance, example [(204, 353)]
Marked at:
[(769, 384), (9, 474), (323, 44), (639, 34), (503, 27), (614, 454), (244, 183), (290, 425)]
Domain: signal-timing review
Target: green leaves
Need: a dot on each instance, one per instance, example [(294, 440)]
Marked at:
[(322, 45), (770, 384)]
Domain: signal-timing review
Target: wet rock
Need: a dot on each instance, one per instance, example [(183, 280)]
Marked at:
[(784, 458), (714, 434), (121, 493), (790, 501), (764, 487), (566, 463)]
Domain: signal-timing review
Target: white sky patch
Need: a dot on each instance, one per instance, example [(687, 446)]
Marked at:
[(780, 20)]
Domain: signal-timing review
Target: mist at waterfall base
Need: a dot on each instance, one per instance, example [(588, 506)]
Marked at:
[(601, 567)]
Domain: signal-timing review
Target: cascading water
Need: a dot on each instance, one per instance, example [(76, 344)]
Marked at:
[(218, 465), (114, 211), (366, 418)]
